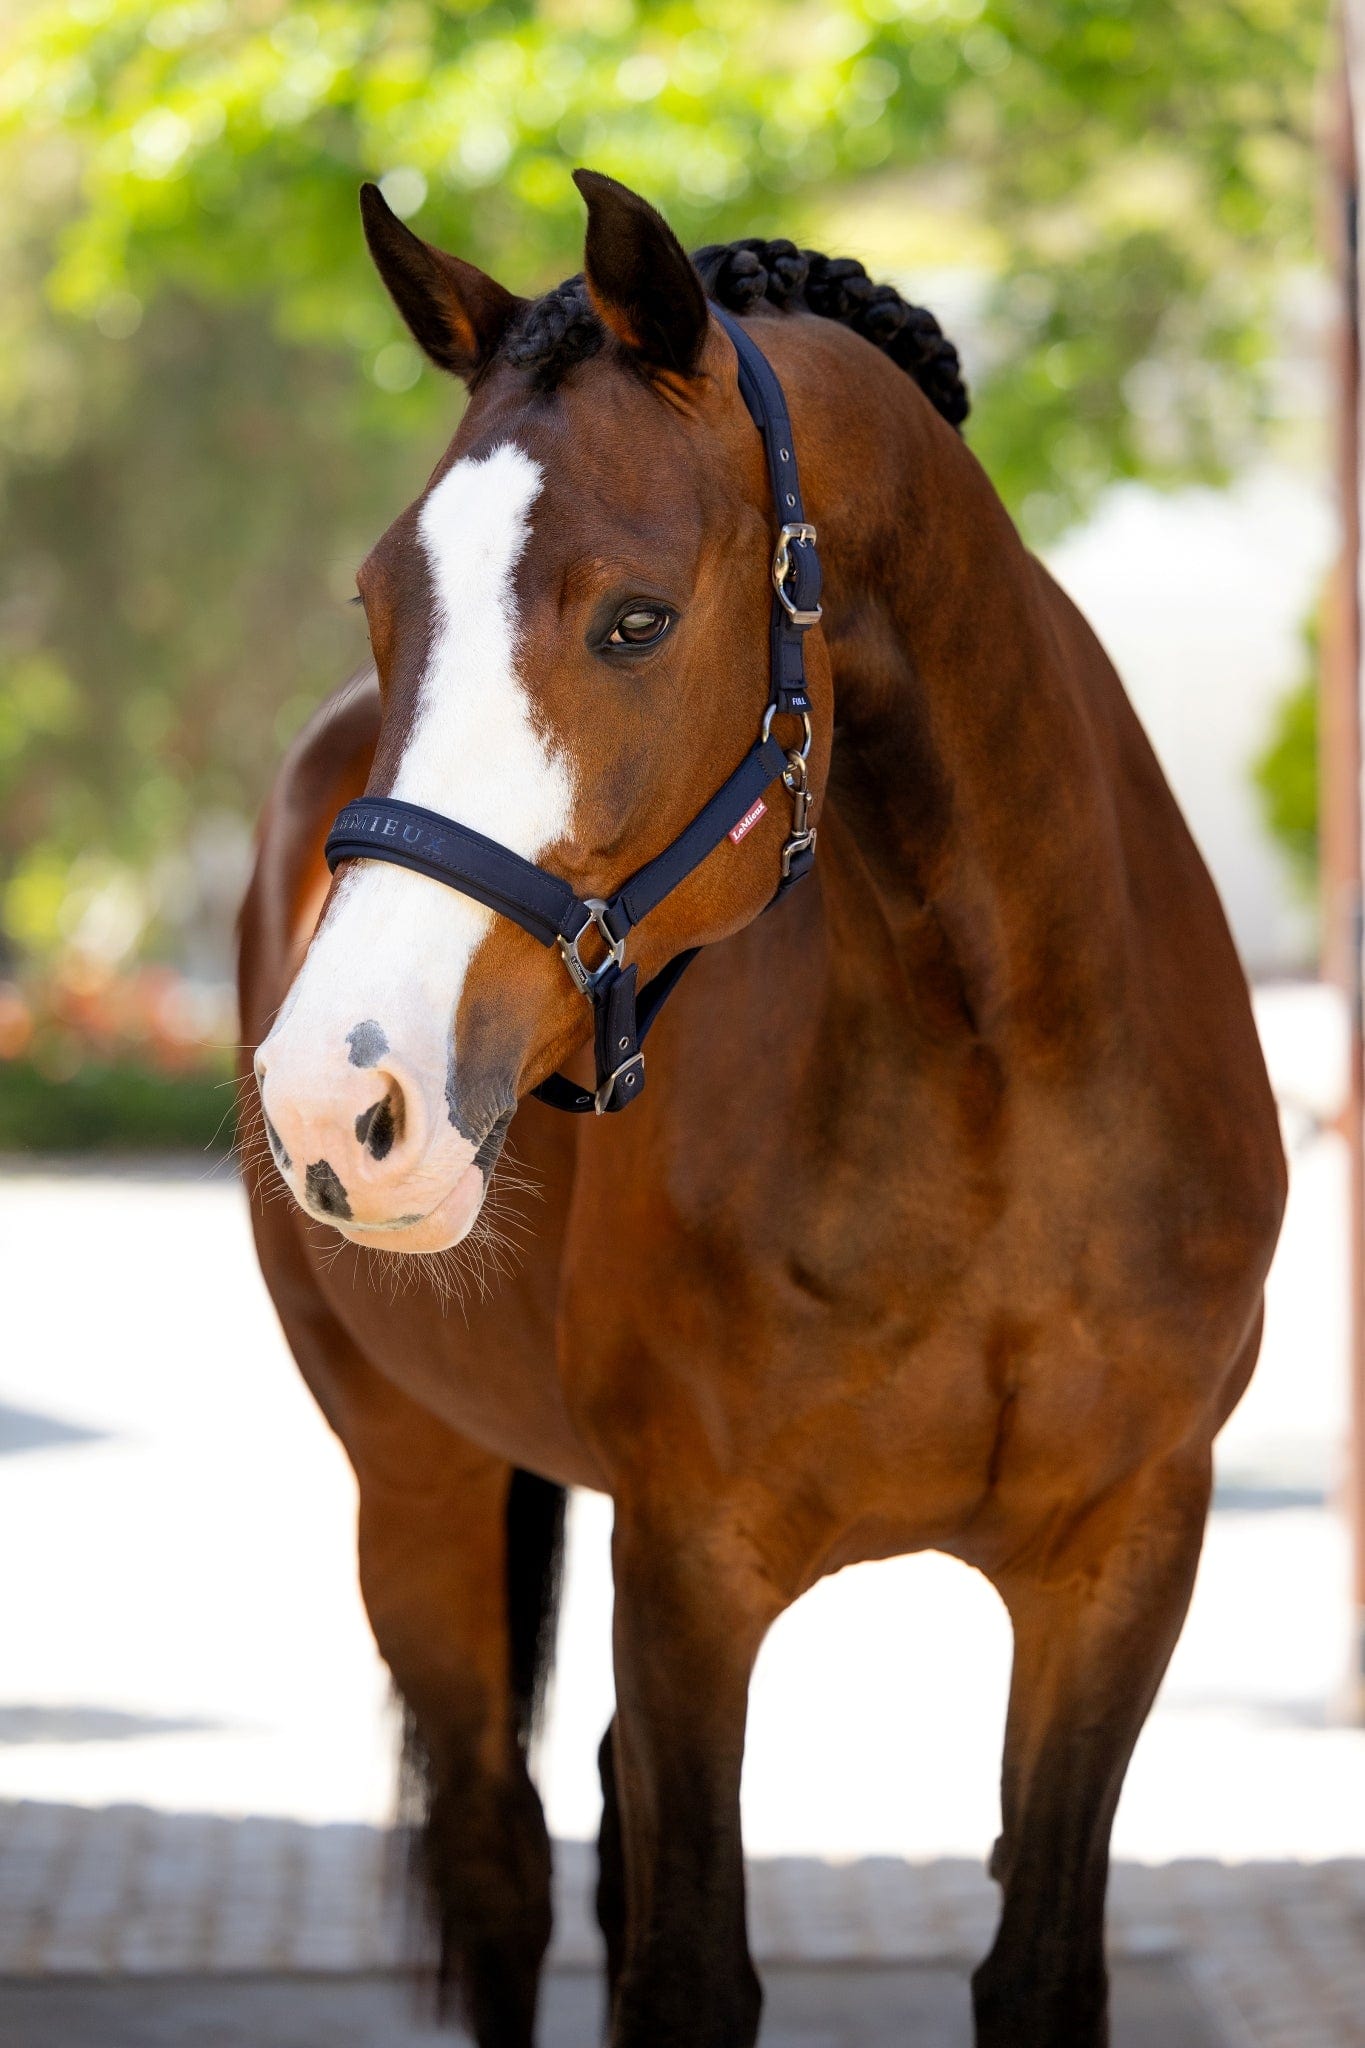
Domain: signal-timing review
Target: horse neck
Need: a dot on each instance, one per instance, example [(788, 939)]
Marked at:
[(968, 812)]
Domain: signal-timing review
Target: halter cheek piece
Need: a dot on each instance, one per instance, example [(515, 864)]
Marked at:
[(380, 828)]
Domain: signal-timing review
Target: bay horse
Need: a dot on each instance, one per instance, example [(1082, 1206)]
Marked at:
[(945, 1217)]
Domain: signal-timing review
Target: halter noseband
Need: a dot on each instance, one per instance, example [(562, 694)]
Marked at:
[(381, 828)]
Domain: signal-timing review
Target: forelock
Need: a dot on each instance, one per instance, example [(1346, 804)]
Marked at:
[(555, 333)]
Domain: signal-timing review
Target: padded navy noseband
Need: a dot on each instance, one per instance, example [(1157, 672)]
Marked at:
[(381, 828)]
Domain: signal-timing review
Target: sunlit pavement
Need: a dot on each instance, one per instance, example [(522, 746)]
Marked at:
[(182, 1631)]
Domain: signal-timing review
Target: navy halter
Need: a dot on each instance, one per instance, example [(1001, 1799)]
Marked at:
[(381, 828)]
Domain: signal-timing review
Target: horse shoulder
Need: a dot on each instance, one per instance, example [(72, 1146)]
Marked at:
[(1199, 1130)]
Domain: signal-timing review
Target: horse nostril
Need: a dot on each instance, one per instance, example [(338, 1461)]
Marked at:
[(378, 1126)]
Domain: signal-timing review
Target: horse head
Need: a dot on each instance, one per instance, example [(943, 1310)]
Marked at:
[(571, 632)]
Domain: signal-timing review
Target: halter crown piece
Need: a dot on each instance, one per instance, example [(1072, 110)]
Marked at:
[(380, 828)]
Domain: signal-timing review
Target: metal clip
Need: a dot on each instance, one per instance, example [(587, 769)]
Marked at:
[(601, 1101), (802, 835), (798, 843), (782, 567), (585, 979)]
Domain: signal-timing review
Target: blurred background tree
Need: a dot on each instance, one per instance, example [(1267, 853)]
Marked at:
[(1285, 772), (208, 409)]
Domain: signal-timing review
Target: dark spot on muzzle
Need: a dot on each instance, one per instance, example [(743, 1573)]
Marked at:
[(486, 1158), (324, 1191), (374, 1128), (276, 1143), (486, 1138), (453, 1100), (368, 1044)]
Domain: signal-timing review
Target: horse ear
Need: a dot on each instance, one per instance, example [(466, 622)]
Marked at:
[(640, 281), (453, 311)]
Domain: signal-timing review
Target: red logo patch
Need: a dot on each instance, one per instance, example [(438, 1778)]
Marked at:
[(748, 821)]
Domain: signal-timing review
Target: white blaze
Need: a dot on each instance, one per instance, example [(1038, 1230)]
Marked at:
[(396, 946), (474, 751)]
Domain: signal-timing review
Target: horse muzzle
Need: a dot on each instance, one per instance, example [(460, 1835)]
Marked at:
[(362, 1147)]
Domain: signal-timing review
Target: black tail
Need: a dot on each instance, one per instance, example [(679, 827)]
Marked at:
[(535, 1565)]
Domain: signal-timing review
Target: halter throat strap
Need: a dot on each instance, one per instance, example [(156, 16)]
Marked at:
[(544, 904)]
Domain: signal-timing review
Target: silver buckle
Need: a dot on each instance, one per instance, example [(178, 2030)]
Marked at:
[(782, 563), (585, 978), (608, 1088)]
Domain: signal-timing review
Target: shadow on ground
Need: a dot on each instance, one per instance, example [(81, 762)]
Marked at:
[(21, 1722), (23, 1429)]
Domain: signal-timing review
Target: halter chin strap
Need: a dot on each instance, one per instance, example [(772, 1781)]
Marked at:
[(382, 828)]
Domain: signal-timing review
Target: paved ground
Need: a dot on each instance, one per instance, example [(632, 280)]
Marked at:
[(1154, 2007), (1275, 1950), (184, 1640)]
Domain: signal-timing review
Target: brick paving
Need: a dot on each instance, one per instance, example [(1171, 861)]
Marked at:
[(1276, 1950)]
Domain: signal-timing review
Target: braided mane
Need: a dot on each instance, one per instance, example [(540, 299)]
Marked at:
[(561, 328)]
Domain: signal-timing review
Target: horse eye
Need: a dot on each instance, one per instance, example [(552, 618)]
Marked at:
[(640, 626)]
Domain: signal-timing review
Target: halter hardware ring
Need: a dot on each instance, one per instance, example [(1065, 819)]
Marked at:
[(585, 979), (801, 753), (798, 530)]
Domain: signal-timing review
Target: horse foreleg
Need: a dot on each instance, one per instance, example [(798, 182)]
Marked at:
[(691, 1611), (611, 1866), (1096, 1614), (434, 1574)]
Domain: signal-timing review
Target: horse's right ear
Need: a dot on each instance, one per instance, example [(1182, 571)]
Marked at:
[(454, 312)]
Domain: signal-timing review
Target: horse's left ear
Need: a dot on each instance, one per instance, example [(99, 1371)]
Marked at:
[(640, 281)]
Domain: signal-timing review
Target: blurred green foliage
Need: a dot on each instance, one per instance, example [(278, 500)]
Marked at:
[(1286, 774), (208, 409), (103, 1108)]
